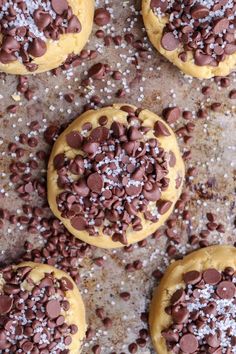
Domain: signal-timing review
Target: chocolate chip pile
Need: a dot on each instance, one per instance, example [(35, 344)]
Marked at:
[(204, 313), (31, 321), (118, 173), (26, 25), (207, 28)]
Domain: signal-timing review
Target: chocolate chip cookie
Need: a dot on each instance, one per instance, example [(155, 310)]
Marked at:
[(39, 35), (41, 311), (193, 308), (114, 175), (197, 36)]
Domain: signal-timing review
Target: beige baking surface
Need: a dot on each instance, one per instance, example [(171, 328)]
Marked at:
[(213, 152)]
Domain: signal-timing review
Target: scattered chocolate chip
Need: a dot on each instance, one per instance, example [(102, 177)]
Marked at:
[(97, 71), (102, 17), (171, 114), (232, 94)]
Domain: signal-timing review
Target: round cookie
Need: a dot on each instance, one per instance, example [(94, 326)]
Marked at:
[(41, 311), (200, 52), (194, 305), (40, 37), (114, 175)]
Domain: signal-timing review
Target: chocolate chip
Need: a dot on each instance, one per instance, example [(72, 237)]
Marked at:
[(6, 58), (193, 277), (37, 48), (177, 297), (42, 19), (160, 129), (221, 25), (188, 343), (99, 134), (133, 348), (59, 6), (95, 182), (10, 44), (90, 148), (213, 340), (226, 290), (74, 139), (97, 71), (66, 284), (232, 94), (211, 276), (102, 17), (74, 25), (79, 223), (169, 42), (171, 114), (153, 194), (201, 59), (117, 129), (103, 120), (163, 206), (27, 346), (170, 336), (58, 161), (96, 349), (125, 295), (199, 11), (53, 309), (107, 322), (69, 97), (180, 314), (6, 303)]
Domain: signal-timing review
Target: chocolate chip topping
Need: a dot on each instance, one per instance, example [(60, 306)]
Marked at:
[(74, 139), (203, 314), (59, 6), (26, 27), (32, 320), (5, 304), (192, 277), (211, 276), (118, 173), (53, 309), (207, 28), (188, 343)]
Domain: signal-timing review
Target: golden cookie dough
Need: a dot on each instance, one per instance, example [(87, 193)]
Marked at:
[(75, 315), (169, 143), (218, 257), (155, 26), (58, 51)]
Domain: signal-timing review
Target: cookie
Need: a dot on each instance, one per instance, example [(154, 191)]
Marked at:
[(114, 175), (39, 36), (198, 37), (41, 311), (193, 308)]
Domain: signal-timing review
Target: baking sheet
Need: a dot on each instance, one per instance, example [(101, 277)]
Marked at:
[(148, 81)]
